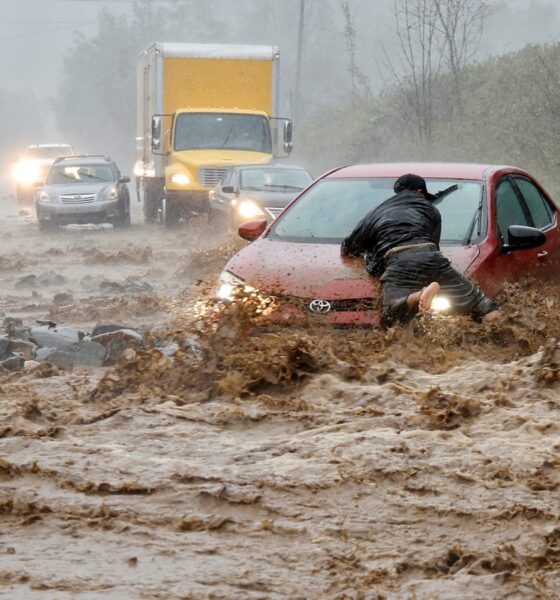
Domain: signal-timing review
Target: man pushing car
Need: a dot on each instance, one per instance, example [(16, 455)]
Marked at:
[(400, 240)]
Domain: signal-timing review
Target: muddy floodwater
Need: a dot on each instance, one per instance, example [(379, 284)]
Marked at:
[(268, 463)]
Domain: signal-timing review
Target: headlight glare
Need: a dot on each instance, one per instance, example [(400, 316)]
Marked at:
[(27, 172), (229, 284), (440, 304), (180, 179), (249, 209)]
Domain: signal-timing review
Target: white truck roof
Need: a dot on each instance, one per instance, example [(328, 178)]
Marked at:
[(231, 51)]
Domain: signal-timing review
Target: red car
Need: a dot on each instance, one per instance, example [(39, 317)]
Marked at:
[(498, 224)]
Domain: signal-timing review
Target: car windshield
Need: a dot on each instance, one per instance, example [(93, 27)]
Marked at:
[(274, 180), (60, 174), (222, 130), (330, 210), (48, 152)]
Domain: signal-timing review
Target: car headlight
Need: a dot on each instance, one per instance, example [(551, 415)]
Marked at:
[(27, 172), (110, 194), (228, 284), (440, 304), (46, 197), (180, 179), (249, 209)]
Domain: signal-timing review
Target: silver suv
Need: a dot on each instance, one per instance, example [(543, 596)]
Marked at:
[(83, 189)]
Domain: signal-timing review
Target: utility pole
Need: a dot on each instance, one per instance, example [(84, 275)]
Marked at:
[(301, 32)]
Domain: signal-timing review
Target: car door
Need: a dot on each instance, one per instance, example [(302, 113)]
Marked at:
[(544, 215), (508, 208)]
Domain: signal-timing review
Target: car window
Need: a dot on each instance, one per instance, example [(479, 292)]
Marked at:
[(274, 180), (509, 210), (541, 212), (328, 211), (61, 174)]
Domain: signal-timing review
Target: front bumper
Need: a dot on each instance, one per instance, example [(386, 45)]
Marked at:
[(97, 211), (189, 200)]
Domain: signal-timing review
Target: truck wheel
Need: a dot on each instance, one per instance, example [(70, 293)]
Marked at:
[(153, 197), (169, 213)]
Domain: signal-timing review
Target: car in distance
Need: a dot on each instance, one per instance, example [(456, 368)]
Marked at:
[(83, 189), (33, 166), (498, 225), (256, 191)]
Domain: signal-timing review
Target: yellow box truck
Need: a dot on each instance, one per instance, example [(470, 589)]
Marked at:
[(201, 109)]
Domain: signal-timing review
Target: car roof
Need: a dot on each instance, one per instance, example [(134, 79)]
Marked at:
[(270, 166), (84, 160), (435, 170), (49, 146)]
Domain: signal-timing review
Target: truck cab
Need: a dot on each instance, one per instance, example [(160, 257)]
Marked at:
[(203, 109)]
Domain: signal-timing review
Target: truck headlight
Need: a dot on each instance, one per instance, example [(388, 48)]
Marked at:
[(27, 172), (180, 179), (249, 209), (228, 284), (110, 194), (139, 169)]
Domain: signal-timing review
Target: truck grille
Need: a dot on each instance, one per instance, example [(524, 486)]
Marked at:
[(77, 198), (211, 176)]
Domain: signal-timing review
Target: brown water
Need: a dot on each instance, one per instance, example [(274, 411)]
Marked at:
[(272, 463)]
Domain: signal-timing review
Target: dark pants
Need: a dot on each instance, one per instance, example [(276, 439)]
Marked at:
[(411, 270)]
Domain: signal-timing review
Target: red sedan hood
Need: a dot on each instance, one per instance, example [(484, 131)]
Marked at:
[(315, 270)]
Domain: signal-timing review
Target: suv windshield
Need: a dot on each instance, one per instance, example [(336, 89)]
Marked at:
[(80, 174), (222, 130), (330, 210), (274, 180), (48, 152)]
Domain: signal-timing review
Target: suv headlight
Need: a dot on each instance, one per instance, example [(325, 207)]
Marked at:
[(110, 194), (228, 284), (46, 197), (180, 179), (249, 209)]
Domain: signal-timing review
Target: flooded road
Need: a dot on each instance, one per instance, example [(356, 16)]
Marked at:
[(420, 463)]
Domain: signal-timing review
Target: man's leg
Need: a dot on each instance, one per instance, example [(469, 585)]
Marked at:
[(421, 301)]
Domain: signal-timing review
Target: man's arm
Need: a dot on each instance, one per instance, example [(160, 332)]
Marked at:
[(359, 240)]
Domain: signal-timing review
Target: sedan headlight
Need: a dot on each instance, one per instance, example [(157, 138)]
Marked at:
[(249, 209), (228, 284), (110, 194), (180, 179), (440, 304)]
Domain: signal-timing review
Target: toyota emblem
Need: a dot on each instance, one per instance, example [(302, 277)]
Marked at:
[(320, 307)]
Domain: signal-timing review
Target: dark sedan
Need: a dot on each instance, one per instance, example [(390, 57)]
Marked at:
[(256, 192)]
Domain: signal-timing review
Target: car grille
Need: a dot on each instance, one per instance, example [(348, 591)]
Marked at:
[(211, 176), (77, 198), (273, 212), (354, 305)]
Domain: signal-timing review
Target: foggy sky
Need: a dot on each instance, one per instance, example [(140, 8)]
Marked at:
[(35, 35)]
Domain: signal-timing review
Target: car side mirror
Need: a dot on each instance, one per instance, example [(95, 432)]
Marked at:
[(252, 230), (124, 180), (522, 237), (288, 143), (228, 189)]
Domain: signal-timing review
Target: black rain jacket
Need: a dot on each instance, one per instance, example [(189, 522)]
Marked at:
[(404, 219)]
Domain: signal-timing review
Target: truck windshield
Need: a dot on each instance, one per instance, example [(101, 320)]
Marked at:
[(195, 131)]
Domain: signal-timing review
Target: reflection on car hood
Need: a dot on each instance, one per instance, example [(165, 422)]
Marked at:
[(269, 199), (77, 188), (316, 270)]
